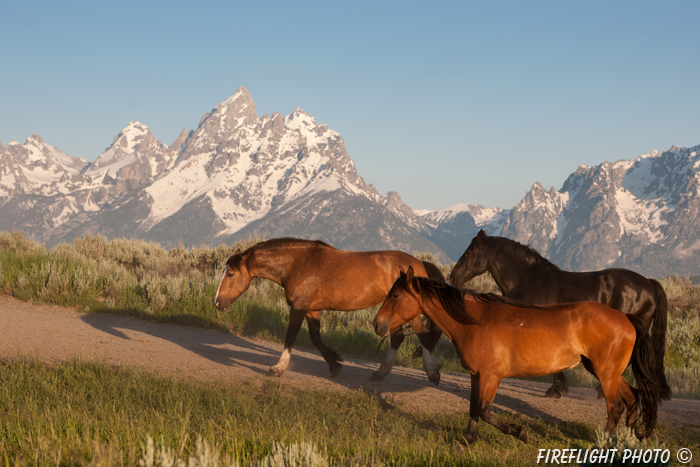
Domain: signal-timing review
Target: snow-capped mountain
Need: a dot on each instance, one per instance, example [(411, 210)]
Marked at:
[(236, 175), (239, 175), (641, 214)]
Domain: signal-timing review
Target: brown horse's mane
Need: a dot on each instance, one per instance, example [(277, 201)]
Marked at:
[(450, 298), (520, 253), (284, 242)]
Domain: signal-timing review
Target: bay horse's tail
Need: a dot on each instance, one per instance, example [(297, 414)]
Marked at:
[(650, 378), (431, 340), (658, 330)]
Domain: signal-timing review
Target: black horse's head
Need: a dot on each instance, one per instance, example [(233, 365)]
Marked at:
[(473, 262)]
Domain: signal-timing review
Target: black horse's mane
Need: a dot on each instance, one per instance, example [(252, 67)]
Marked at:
[(520, 253), (495, 299)]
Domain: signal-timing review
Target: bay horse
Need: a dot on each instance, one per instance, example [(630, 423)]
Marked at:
[(496, 337), (523, 274), (315, 277)]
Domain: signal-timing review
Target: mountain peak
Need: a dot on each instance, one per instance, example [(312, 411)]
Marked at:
[(126, 142), (237, 109)]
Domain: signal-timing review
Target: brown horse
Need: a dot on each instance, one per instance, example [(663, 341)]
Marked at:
[(523, 274), (496, 337), (316, 277)]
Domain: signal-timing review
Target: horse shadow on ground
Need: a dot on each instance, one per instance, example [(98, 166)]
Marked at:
[(229, 350)]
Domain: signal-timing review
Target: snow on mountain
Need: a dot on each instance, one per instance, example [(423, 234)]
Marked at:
[(641, 214), (36, 167), (239, 174)]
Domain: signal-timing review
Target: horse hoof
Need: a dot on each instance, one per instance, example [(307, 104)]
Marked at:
[(335, 369), (522, 434), (553, 393), (467, 440), (434, 378), (376, 376)]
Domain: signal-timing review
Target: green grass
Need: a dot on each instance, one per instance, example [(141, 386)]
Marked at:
[(80, 413), (178, 285)]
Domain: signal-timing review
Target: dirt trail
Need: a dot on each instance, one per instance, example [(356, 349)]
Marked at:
[(53, 334)]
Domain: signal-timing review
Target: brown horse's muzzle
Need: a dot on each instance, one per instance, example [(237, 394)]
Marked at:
[(381, 328), (222, 304)]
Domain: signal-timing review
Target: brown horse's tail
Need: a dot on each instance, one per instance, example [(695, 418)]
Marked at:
[(650, 378), (430, 340), (433, 271), (658, 330)]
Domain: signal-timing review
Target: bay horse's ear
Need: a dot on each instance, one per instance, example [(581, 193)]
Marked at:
[(238, 252), (481, 235), (409, 274), (402, 270)]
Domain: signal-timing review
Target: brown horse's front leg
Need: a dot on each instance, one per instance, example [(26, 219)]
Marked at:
[(296, 317), (331, 356), (559, 386), (474, 410), (480, 406)]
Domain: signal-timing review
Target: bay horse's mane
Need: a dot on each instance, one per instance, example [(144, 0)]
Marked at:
[(249, 254), (520, 253), (450, 298)]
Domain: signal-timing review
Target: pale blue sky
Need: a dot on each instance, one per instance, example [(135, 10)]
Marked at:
[(443, 102)]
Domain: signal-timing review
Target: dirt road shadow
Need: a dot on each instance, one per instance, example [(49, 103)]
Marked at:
[(217, 352)]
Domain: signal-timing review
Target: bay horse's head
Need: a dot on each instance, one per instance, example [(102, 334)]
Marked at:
[(234, 281), (400, 305), (473, 262)]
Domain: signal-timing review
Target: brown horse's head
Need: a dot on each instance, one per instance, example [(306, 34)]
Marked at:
[(234, 281), (473, 262), (399, 307)]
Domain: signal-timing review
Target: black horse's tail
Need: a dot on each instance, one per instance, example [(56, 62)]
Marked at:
[(658, 331), (651, 380)]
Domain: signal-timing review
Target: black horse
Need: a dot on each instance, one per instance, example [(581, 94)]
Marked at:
[(523, 274)]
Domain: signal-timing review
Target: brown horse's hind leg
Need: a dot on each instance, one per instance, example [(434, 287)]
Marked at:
[(483, 391), (559, 386), (613, 398), (395, 341), (331, 356), (629, 396), (296, 317)]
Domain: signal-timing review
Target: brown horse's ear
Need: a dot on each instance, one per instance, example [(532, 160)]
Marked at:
[(481, 235), (402, 270), (238, 252), (409, 274)]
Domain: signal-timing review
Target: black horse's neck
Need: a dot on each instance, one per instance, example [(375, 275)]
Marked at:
[(512, 262)]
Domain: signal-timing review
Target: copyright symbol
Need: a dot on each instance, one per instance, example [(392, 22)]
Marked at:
[(684, 455)]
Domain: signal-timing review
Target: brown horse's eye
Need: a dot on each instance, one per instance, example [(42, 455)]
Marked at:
[(395, 295), (229, 274)]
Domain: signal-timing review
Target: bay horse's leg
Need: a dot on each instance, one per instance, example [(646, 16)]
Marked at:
[(397, 337), (483, 389), (428, 339), (559, 386), (629, 397), (331, 356), (610, 383), (296, 317)]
